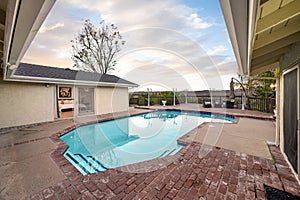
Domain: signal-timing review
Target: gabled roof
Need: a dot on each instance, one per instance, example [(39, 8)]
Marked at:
[(54, 74)]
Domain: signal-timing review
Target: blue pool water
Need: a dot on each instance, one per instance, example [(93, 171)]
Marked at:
[(115, 143)]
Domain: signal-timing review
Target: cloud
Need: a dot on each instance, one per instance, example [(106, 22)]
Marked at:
[(198, 23), (145, 13), (217, 50), (44, 28), (165, 40)]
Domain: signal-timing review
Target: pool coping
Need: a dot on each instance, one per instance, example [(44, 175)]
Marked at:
[(244, 115), (70, 171)]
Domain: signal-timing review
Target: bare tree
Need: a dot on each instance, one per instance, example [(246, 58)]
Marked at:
[(94, 49)]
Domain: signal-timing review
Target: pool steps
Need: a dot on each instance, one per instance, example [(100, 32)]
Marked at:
[(77, 163), (92, 165), (87, 162), (99, 163), (170, 152), (87, 165)]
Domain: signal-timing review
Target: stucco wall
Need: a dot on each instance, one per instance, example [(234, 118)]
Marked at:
[(291, 58), (110, 99), (25, 103)]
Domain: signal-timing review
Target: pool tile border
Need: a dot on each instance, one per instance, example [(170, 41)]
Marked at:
[(63, 147), (57, 154), (227, 112), (68, 169)]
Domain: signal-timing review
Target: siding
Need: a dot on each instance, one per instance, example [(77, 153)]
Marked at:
[(291, 58)]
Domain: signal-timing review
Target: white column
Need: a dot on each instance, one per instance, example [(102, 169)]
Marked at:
[(174, 103), (280, 111), (148, 89), (186, 97), (243, 100)]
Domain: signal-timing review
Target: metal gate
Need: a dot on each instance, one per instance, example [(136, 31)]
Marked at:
[(290, 111)]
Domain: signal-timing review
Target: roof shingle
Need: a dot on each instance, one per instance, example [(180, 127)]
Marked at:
[(32, 70)]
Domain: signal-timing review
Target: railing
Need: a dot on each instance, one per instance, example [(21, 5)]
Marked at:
[(252, 103), (143, 101), (261, 104)]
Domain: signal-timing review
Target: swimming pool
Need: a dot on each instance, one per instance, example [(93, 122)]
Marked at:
[(120, 142)]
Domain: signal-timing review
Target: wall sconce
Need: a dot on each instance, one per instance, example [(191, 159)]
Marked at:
[(47, 85), (273, 86)]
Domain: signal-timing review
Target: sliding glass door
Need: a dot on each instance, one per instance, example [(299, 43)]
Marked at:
[(85, 99), (290, 116)]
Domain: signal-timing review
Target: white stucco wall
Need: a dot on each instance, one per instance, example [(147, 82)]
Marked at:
[(111, 99), (25, 103)]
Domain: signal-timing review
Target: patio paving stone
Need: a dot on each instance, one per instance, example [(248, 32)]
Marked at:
[(221, 174)]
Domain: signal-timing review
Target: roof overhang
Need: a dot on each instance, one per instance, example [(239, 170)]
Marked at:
[(30, 79), (20, 21), (23, 19), (267, 27), (239, 16)]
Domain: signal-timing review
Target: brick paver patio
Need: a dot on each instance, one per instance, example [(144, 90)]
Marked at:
[(221, 174)]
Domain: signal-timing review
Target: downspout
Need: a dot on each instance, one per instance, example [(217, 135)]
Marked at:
[(277, 137), (278, 107)]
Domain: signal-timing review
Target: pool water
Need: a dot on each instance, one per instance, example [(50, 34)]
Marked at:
[(120, 142)]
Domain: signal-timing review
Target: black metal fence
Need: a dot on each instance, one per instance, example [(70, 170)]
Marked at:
[(252, 103), (261, 104)]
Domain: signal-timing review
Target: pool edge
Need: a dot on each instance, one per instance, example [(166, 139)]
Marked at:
[(65, 165)]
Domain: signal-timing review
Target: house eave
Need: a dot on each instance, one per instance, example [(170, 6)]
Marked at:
[(23, 20), (273, 26), (236, 13), (30, 79)]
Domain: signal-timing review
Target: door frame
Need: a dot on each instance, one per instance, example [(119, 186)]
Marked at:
[(57, 97), (76, 104)]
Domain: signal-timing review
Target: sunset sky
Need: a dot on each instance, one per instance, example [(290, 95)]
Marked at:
[(179, 44)]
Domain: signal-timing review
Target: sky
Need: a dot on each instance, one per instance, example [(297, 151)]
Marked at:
[(180, 44)]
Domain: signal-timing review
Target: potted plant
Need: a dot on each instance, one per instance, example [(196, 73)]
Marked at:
[(164, 101), (229, 103)]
